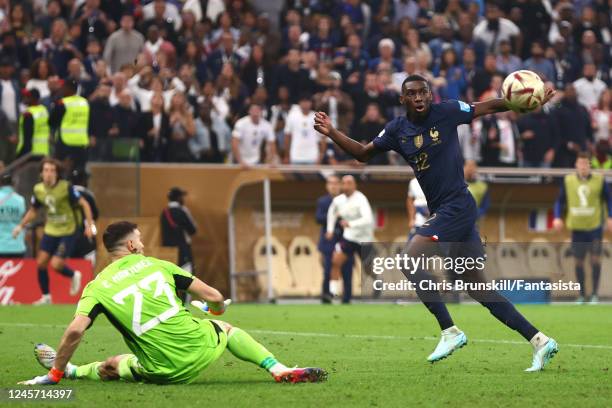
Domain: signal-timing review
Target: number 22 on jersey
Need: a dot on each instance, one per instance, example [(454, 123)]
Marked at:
[(161, 288)]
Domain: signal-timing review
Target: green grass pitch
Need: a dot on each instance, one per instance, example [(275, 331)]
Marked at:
[(375, 355)]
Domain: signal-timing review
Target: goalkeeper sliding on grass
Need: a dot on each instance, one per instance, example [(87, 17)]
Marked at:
[(138, 296)]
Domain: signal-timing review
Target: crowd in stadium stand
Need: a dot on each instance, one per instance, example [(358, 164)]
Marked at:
[(179, 78)]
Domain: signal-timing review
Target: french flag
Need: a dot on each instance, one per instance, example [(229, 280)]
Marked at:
[(541, 219)]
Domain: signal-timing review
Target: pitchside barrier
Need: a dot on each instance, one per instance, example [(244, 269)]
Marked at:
[(19, 281), (258, 234)]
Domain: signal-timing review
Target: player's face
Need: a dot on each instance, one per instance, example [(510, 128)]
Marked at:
[(583, 167), (333, 186), (134, 243), (416, 96), (49, 174)]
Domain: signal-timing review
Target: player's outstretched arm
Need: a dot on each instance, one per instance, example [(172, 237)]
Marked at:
[(363, 153), (70, 341), (201, 291), (496, 105), (490, 106)]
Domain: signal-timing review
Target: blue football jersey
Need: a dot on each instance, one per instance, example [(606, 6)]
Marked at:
[(432, 149)]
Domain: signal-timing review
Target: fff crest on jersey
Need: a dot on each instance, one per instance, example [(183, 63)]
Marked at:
[(418, 141), (435, 135)]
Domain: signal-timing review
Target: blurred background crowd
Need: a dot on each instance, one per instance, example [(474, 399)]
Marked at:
[(238, 81)]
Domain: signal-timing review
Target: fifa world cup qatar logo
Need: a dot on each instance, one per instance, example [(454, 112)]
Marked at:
[(8, 269)]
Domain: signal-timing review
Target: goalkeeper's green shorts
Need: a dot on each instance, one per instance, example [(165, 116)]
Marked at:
[(130, 368)]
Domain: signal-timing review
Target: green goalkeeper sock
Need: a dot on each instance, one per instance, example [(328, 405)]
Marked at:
[(246, 348), (88, 371)]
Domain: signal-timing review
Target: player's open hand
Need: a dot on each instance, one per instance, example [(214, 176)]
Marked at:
[(549, 93), (323, 123), (558, 224), (40, 380)]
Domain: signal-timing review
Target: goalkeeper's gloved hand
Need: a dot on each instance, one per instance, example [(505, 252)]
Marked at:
[(204, 307), (51, 378)]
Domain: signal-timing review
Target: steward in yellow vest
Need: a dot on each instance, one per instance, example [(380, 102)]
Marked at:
[(478, 188), (603, 165), (70, 120), (601, 159), (33, 126), (583, 194)]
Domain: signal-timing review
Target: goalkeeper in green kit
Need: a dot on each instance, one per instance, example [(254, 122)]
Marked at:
[(138, 296)]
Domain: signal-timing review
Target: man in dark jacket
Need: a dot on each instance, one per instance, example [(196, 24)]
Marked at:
[(85, 247), (101, 121), (294, 77), (9, 101), (538, 138), (576, 134), (177, 227), (69, 119), (326, 246)]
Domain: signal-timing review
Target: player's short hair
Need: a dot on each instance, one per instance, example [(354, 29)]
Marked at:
[(116, 232), (583, 155), (415, 78), (51, 160)]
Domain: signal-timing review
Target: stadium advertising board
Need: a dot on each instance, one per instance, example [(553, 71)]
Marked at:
[(19, 281)]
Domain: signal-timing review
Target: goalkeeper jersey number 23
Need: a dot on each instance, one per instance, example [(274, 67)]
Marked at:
[(138, 296)]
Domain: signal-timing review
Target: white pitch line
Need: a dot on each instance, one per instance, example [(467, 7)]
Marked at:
[(338, 335), (31, 325), (379, 337)]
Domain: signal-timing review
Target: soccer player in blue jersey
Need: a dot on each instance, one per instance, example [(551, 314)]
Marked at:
[(426, 137)]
